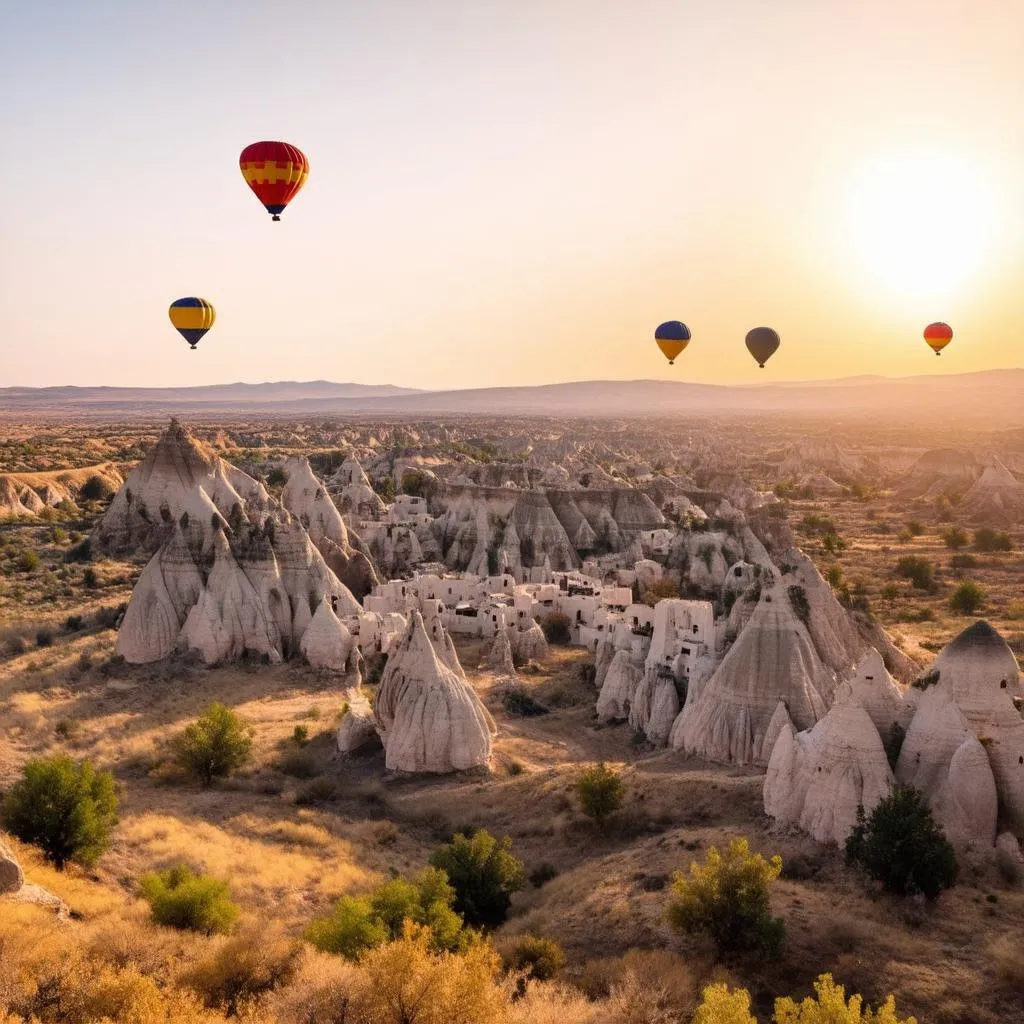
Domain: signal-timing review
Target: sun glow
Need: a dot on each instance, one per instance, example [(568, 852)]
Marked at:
[(920, 223)]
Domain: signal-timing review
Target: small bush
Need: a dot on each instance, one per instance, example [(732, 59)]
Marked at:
[(215, 745), (955, 538), (96, 489), (726, 897), (484, 873), (300, 735), (27, 561), (360, 923), (660, 590), (967, 598), (542, 959), (15, 645), (914, 528), (44, 638), (277, 477), (987, 539), (798, 600), (963, 562), (600, 790), (902, 847), (556, 628), (73, 623), (920, 571), (90, 579), (834, 575), (830, 1006), (180, 899), (81, 552), (66, 809)]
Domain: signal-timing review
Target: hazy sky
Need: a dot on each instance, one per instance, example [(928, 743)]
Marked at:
[(510, 191)]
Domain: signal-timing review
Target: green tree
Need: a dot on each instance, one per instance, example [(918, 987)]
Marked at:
[(215, 745), (726, 897), (901, 845), (967, 598), (178, 898), (66, 809), (600, 790), (484, 873)]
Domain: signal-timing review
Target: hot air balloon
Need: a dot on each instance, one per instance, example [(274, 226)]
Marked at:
[(762, 343), (672, 337), (938, 335), (192, 317), (275, 171)]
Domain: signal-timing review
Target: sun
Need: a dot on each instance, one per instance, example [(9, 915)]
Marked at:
[(920, 223)]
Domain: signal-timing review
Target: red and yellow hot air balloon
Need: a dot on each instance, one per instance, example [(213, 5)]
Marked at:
[(938, 335), (275, 171)]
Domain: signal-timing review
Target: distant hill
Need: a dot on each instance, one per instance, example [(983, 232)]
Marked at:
[(992, 395)]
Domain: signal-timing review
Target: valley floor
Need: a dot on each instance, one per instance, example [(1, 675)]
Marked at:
[(302, 826)]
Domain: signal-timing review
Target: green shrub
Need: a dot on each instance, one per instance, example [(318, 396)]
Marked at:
[(834, 575), (360, 923), (600, 790), (66, 809), (801, 607), (300, 735), (901, 846), (833, 543), (967, 598), (484, 873), (987, 539), (726, 897), (44, 638), (178, 898), (955, 538), (27, 561), (542, 959), (81, 552), (914, 528), (556, 628), (90, 580), (96, 489), (963, 562), (215, 745), (277, 477), (918, 570)]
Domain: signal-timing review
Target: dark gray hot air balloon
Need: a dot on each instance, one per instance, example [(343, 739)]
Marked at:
[(762, 343)]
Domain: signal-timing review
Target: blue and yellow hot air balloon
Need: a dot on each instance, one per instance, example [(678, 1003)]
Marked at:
[(672, 337), (192, 317)]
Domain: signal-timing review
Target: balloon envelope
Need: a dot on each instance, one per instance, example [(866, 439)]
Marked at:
[(762, 342), (672, 337), (938, 336), (192, 317), (275, 171)]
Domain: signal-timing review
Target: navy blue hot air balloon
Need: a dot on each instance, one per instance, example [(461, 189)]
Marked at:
[(672, 337)]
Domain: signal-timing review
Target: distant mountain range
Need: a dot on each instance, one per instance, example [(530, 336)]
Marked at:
[(991, 395)]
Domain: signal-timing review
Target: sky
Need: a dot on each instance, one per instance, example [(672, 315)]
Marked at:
[(508, 192)]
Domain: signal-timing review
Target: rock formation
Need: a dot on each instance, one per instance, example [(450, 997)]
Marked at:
[(818, 778), (774, 659), (327, 642), (997, 497), (429, 718), (308, 500), (357, 728), (968, 702), (11, 875), (618, 689)]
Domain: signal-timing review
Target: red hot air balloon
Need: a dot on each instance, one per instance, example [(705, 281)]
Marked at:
[(275, 171), (938, 336)]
